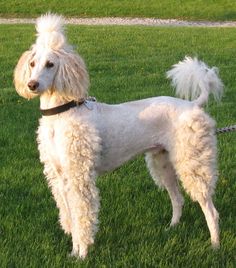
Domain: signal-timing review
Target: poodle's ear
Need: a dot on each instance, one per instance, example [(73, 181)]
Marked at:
[(72, 79), (22, 75)]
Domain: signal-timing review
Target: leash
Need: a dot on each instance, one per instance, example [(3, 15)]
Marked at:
[(226, 129)]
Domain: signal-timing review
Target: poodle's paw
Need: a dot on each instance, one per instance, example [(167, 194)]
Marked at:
[(215, 243), (177, 213), (79, 253), (174, 222), (83, 253), (171, 225)]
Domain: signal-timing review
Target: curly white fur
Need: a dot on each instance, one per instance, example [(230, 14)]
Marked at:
[(50, 29), (76, 146), (194, 80)]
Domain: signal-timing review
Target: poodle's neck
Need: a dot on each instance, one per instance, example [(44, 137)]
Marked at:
[(51, 100)]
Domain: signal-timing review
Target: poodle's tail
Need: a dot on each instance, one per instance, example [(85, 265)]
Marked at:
[(194, 80)]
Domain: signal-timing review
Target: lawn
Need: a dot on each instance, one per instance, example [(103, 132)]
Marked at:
[(125, 63), (165, 9)]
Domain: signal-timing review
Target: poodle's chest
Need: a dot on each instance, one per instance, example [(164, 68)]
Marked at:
[(50, 139)]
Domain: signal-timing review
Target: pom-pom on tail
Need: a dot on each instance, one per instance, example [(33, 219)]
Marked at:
[(194, 80), (50, 31)]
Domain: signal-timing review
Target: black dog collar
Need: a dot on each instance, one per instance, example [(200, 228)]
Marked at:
[(61, 108)]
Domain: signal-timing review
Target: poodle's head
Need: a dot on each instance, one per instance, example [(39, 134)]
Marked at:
[(51, 64)]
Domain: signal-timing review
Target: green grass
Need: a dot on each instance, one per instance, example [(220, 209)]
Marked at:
[(180, 9), (124, 63)]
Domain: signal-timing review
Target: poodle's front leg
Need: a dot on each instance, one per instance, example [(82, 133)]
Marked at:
[(57, 183), (83, 201), (81, 153), (60, 195)]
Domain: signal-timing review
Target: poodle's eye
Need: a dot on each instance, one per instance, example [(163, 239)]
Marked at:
[(49, 64), (32, 64)]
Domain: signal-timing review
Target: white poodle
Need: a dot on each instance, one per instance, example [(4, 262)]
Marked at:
[(79, 139)]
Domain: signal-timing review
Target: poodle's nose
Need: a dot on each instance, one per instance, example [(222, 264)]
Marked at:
[(33, 85)]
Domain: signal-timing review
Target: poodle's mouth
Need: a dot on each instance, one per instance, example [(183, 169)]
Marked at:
[(35, 92)]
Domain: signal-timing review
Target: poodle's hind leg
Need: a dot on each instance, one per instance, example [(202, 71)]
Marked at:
[(194, 158), (212, 218), (199, 191), (163, 174)]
